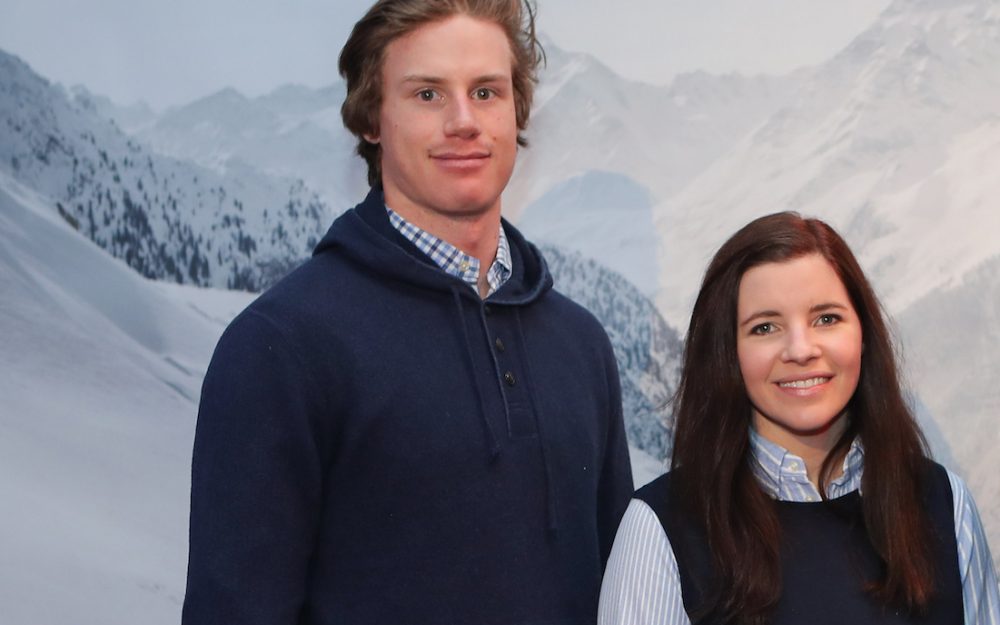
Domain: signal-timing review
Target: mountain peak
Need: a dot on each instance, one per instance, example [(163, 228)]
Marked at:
[(228, 95), (14, 70)]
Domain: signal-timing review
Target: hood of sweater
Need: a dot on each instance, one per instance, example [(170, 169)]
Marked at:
[(365, 235)]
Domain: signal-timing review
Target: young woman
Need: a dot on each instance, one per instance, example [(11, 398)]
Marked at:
[(800, 489)]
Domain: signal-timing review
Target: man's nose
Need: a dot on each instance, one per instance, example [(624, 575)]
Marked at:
[(462, 120)]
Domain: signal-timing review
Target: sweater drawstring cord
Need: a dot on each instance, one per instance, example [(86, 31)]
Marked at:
[(553, 518)]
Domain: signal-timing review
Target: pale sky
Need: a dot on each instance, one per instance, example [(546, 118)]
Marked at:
[(171, 52)]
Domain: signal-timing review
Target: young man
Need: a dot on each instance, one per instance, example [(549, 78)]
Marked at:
[(413, 427)]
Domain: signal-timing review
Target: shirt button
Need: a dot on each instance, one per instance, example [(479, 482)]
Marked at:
[(499, 344), (509, 378), (794, 466)]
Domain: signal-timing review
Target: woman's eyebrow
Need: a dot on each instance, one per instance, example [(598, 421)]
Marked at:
[(760, 314)]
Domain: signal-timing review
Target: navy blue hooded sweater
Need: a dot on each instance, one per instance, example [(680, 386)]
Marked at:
[(375, 444)]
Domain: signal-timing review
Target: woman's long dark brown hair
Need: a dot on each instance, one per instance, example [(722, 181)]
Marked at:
[(712, 440)]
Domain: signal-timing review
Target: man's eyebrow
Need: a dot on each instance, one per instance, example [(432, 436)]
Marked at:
[(433, 80), (493, 78), (437, 80)]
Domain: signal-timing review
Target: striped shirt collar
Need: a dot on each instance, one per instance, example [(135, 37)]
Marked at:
[(454, 261), (783, 474)]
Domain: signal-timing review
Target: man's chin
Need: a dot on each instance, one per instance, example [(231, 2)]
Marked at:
[(469, 207)]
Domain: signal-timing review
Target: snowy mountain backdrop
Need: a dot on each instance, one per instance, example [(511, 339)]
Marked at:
[(628, 187), (168, 218)]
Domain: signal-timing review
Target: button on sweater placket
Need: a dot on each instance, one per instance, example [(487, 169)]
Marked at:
[(521, 418)]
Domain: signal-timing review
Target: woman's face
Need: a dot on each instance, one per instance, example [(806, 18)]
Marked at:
[(799, 344)]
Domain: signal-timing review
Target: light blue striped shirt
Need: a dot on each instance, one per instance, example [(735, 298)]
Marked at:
[(642, 585), (454, 261)]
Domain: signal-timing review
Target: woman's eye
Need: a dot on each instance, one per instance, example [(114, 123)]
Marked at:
[(825, 320), (762, 328)]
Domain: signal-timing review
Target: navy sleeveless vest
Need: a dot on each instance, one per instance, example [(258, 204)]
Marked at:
[(825, 558)]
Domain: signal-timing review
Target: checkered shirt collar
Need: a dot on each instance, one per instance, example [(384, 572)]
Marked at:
[(454, 261)]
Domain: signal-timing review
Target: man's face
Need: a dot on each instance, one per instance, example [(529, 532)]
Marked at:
[(447, 126)]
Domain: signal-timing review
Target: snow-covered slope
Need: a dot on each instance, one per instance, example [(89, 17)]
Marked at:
[(166, 218), (895, 141), (588, 118), (605, 151), (575, 215), (132, 118), (101, 374)]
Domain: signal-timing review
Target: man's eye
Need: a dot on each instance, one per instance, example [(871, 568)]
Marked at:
[(762, 328), (482, 93), (427, 95)]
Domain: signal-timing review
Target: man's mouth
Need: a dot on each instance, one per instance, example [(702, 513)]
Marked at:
[(460, 156)]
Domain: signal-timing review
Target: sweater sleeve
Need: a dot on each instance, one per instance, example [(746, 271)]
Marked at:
[(616, 486), (255, 481)]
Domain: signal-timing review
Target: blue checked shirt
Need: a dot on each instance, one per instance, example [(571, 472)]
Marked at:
[(454, 261), (642, 586)]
